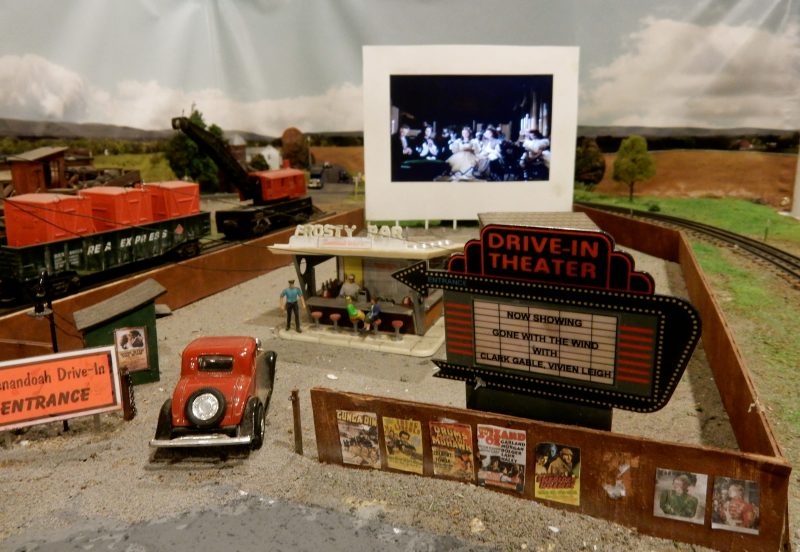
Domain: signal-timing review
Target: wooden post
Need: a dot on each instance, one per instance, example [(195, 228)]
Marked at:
[(298, 429), (128, 398)]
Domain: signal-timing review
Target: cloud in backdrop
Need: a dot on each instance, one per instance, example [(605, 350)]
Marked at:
[(670, 73), (682, 74)]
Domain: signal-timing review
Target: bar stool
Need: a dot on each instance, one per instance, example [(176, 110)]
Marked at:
[(397, 324), (335, 319), (316, 315), (375, 324)]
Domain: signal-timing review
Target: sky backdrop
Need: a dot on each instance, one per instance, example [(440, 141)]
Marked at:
[(265, 65)]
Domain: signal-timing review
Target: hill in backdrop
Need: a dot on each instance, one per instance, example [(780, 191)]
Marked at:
[(665, 132), (608, 136), (18, 128)]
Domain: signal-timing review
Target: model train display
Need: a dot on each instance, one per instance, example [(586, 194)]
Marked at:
[(99, 230), (70, 237), (279, 197)]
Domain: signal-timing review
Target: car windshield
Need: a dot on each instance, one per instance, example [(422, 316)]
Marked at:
[(216, 363)]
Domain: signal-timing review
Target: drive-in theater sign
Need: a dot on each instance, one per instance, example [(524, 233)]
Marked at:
[(559, 315)]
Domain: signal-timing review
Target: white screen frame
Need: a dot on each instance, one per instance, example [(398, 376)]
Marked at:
[(463, 200)]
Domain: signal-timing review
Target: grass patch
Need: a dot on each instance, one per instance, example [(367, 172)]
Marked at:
[(736, 215), (152, 166), (768, 317)]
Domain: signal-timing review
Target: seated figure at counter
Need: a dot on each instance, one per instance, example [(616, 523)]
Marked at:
[(354, 312), (373, 314), (350, 288)]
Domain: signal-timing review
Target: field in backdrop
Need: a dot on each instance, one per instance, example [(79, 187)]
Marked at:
[(766, 177), (763, 177), (750, 175)]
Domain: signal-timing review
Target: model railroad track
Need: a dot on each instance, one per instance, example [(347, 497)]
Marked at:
[(782, 262), (206, 246)]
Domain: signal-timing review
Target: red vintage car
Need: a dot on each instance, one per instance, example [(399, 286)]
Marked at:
[(222, 396)]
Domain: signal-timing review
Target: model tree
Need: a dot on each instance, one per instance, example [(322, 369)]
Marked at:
[(187, 161), (590, 165), (633, 163), (258, 163), (294, 148)]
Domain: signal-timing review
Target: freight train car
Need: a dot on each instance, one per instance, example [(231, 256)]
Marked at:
[(73, 237), (68, 261)]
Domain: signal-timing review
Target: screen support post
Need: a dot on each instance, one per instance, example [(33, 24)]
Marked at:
[(537, 408)]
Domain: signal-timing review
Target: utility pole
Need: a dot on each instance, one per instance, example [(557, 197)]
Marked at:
[(43, 307)]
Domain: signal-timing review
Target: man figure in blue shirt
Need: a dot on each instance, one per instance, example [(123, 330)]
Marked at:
[(373, 314), (291, 299)]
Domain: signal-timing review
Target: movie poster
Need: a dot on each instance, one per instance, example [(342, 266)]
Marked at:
[(680, 495), (736, 505), (403, 444), (451, 446), (358, 434), (502, 454), (131, 345), (557, 473)]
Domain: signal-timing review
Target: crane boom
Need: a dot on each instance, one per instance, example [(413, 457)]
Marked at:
[(216, 148)]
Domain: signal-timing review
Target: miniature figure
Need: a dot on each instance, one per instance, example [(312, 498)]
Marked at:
[(373, 314), (354, 312), (350, 288), (290, 298)]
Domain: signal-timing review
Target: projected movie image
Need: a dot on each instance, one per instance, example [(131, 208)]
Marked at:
[(484, 128)]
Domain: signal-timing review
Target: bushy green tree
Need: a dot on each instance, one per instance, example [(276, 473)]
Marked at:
[(590, 165), (633, 163), (186, 160)]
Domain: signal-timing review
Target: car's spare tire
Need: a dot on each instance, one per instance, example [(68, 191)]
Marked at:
[(205, 407)]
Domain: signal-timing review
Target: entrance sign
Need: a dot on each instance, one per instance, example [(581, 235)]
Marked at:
[(58, 387), (560, 315)]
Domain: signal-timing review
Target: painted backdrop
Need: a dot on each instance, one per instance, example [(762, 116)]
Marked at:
[(265, 65)]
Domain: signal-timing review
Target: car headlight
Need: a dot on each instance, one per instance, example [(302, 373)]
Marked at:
[(205, 406)]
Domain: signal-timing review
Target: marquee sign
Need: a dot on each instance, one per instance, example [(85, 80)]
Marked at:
[(559, 314)]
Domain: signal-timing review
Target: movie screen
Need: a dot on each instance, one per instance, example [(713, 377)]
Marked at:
[(483, 128)]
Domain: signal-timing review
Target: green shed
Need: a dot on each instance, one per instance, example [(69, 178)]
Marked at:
[(127, 321)]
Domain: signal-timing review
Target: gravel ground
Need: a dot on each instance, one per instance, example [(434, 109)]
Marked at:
[(103, 479)]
